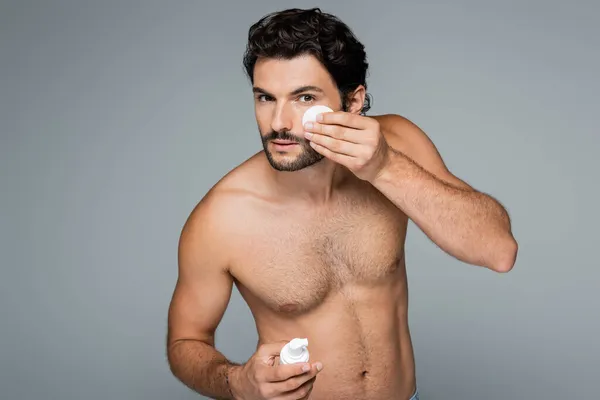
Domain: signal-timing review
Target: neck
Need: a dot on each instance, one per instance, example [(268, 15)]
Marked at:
[(315, 184)]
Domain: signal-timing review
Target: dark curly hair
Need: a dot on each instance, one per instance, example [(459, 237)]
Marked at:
[(294, 32)]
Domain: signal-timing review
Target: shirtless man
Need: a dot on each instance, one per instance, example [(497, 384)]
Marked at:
[(311, 230)]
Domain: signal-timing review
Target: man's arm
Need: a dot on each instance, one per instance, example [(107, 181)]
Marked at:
[(469, 225), (199, 301)]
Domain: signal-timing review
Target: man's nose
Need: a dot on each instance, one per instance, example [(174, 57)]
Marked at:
[(283, 119)]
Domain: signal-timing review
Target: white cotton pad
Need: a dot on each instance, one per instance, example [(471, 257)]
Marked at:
[(310, 115)]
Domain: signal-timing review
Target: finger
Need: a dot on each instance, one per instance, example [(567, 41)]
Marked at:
[(284, 372), (337, 146), (300, 393), (340, 158), (350, 120), (294, 383), (335, 131)]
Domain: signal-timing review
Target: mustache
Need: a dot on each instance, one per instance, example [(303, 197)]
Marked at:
[(283, 135)]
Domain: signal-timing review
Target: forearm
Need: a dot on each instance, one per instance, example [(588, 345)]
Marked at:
[(469, 225), (202, 368)]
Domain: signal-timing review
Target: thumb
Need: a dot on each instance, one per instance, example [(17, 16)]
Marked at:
[(271, 349)]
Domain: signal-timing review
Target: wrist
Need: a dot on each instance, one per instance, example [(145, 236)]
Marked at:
[(383, 172), (234, 381)]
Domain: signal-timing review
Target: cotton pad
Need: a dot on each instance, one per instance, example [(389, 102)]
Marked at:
[(310, 115)]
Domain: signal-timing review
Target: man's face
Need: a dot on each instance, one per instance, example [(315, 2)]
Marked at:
[(283, 91)]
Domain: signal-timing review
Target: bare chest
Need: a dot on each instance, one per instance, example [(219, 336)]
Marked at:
[(292, 262)]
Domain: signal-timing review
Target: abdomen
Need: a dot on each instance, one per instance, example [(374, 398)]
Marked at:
[(361, 336)]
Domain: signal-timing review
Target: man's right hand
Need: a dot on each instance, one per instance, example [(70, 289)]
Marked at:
[(262, 378)]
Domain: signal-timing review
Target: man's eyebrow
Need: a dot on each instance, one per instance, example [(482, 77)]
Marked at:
[(308, 88), (256, 89)]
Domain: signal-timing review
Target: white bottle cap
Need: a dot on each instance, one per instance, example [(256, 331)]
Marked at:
[(297, 347), (310, 115), (294, 351)]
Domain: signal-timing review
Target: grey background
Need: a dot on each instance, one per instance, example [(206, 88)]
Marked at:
[(118, 116)]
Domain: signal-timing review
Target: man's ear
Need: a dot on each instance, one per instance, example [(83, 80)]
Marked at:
[(355, 100)]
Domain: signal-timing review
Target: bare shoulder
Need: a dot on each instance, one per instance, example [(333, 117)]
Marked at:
[(408, 138), (229, 198), (214, 222), (405, 136)]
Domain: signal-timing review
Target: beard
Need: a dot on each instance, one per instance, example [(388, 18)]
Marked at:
[(296, 161)]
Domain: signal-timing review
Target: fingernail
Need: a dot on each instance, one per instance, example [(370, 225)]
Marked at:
[(305, 368), (319, 366), (319, 117), (308, 125), (308, 135)]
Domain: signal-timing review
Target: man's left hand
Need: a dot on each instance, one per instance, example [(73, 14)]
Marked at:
[(352, 140)]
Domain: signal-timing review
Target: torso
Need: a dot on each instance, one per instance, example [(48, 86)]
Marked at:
[(337, 277)]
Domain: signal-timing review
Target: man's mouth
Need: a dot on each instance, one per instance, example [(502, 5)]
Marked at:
[(284, 142)]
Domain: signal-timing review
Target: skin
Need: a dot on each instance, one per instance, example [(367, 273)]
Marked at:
[(318, 252)]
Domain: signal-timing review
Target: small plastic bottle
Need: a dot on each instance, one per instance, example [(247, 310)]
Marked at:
[(295, 351)]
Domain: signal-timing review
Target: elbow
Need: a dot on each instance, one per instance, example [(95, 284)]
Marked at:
[(172, 358), (506, 257), (174, 355)]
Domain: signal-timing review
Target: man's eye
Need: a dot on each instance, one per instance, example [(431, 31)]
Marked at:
[(263, 97), (307, 98)]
